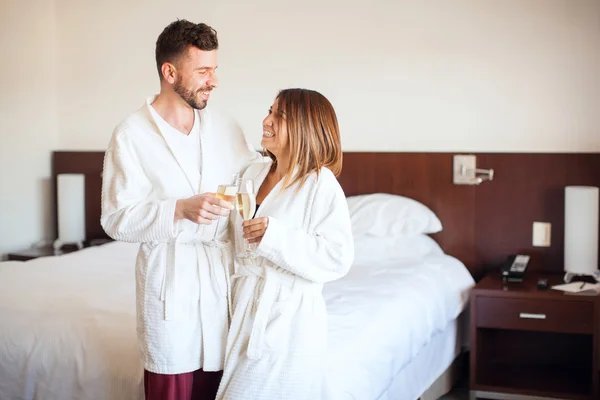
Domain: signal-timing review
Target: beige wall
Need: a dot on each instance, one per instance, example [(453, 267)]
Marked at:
[(404, 75), (489, 75), (28, 120)]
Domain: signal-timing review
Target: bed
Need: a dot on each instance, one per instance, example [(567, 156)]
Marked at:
[(396, 326), (68, 326)]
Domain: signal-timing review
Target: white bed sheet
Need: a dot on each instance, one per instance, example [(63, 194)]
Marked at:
[(382, 316), (67, 324), (67, 327), (431, 362)]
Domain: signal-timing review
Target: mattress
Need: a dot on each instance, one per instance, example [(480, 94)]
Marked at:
[(67, 327), (67, 324), (382, 316), (433, 360)]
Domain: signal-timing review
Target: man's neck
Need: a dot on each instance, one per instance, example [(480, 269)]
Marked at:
[(175, 111)]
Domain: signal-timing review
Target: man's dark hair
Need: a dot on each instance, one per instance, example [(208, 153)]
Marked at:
[(174, 40)]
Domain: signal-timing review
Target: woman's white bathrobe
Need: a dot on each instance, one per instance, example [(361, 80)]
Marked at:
[(277, 339), (181, 284)]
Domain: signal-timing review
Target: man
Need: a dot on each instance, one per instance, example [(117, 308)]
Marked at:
[(161, 167)]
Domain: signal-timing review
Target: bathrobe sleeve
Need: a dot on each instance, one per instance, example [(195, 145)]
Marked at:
[(128, 214), (326, 251)]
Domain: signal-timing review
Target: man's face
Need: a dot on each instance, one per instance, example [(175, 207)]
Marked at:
[(196, 76)]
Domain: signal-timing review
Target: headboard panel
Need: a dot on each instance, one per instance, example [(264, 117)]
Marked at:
[(482, 224), (425, 177), (527, 188)]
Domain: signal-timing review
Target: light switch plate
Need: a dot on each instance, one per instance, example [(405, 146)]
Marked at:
[(464, 170), (541, 234)]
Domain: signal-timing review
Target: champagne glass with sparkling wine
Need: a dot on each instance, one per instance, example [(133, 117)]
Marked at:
[(246, 205), (225, 192)]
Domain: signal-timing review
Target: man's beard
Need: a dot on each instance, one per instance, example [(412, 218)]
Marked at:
[(189, 96)]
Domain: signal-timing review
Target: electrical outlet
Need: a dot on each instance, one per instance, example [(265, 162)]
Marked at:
[(541, 234)]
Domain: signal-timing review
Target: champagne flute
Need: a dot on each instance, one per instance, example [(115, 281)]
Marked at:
[(224, 192), (246, 206)]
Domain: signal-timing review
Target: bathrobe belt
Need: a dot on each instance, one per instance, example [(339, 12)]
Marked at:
[(169, 285), (266, 297)]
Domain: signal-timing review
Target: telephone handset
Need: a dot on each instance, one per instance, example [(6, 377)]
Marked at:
[(514, 268)]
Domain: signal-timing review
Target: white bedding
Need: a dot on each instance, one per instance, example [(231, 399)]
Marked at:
[(67, 327), (67, 324), (431, 362), (382, 316)]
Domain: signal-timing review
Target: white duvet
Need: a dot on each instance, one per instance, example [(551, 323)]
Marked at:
[(67, 327), (67, 324), (382, 315)]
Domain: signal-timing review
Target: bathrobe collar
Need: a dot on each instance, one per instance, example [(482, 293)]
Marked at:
[(191, 171)]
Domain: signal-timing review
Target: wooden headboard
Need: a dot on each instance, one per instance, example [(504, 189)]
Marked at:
[(482, 224)]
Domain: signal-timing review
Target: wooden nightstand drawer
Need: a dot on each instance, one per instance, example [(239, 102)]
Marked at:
[(527, 341), (535, 315)]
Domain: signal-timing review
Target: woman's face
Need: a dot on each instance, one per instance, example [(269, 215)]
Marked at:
[(275, 135)]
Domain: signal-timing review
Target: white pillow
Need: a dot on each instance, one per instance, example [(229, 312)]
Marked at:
[(369, 249), (383, 215)]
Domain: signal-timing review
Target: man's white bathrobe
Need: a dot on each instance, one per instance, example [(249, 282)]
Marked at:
[(181, 284), (277, 340)]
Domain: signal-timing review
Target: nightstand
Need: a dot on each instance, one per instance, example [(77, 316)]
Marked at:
[(33, 253), (532, 343)]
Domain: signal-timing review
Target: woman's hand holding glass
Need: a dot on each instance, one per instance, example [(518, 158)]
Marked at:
[(254, 229)]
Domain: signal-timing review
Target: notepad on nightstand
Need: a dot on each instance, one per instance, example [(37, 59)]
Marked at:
[(578, 287)]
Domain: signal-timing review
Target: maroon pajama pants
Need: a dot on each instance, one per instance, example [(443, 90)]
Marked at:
[(197, 385)]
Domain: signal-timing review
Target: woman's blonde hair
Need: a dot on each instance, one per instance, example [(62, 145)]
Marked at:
[(313, 134)]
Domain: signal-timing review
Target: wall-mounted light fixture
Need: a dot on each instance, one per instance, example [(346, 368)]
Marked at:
[(466, 171)]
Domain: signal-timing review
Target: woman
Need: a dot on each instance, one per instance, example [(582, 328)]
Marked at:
[(302, 233)]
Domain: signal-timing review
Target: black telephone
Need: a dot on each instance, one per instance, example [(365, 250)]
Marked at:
[(513, 270)]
